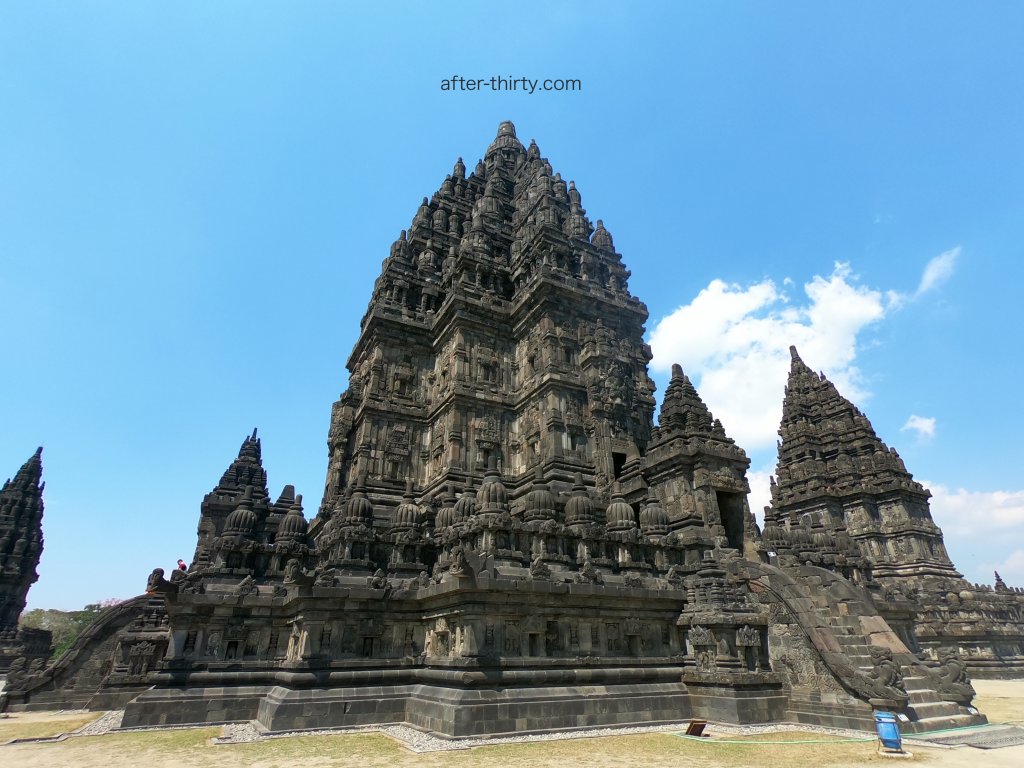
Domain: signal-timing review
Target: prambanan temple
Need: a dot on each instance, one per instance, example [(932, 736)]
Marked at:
[(507, 540)]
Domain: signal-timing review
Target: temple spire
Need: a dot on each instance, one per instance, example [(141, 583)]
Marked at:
[(812, 411), (829, 451), (246, 469), (506, 150), (683, 411), (21, 541)]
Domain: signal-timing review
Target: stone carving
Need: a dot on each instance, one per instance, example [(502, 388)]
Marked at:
[(633, 580), (459, 566), (156, 583), (954, 683), (140, 657), (213, 644), (887, 676), (293, 574), (325, 577), (674, 576), (247, 586), (588, 574), (748, 636), (193, 584), (706, 659), (379, 580), (539, 570), (17, 672), (700, 636)]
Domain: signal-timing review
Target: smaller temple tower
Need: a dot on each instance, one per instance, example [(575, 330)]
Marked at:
[(242, 532), (245, 472), (698, 471), (21, 544), (835, 473)]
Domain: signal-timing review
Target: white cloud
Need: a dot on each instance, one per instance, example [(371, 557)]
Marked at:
[(760, 493), (981, 530), (1011, 568), (977, 513), (923, 425), (938, 271), (735, 342)]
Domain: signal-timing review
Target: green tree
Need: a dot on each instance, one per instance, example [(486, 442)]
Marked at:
[(66, 626)]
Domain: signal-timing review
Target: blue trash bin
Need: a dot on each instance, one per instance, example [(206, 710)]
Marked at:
[(888, 728)]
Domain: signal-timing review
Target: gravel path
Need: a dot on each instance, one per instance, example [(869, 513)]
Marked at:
[(418, 741)]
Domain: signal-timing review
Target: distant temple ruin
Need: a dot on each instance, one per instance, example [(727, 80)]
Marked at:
[(21, 545), (507, 542)]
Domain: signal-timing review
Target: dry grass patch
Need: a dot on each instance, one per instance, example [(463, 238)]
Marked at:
[(1001, 700), (663, 750), (188, 748), (153, 749), (38, 725)]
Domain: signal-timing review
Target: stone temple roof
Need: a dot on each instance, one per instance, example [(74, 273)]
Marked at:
[(829, 444)]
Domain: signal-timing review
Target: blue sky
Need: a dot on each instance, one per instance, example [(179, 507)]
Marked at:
[(195, 199)]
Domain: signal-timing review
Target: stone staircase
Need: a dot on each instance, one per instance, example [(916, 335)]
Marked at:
[(927, 710), (840, 616), (857, 625)]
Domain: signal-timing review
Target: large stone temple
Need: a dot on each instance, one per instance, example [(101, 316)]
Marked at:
[(508, 542)]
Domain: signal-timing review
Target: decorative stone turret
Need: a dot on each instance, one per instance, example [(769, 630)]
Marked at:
[(407, 516), (619, 516), (358, 510), (579, 510), (465, 507), (653, 520), (493, 496), (242, 521), (446, 515), (245, 471), (293, 526), (540, 503)]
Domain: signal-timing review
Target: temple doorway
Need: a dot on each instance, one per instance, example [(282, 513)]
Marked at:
[(730, 507)]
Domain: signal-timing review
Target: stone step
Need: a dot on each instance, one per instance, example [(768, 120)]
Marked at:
[(941, 723), (853, 638), (855, 645), (931, 709)]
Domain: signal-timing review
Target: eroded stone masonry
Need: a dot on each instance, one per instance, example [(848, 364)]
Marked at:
[(507, 542)]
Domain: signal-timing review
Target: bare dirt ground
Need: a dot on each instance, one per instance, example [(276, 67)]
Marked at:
[(1002, 700)]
